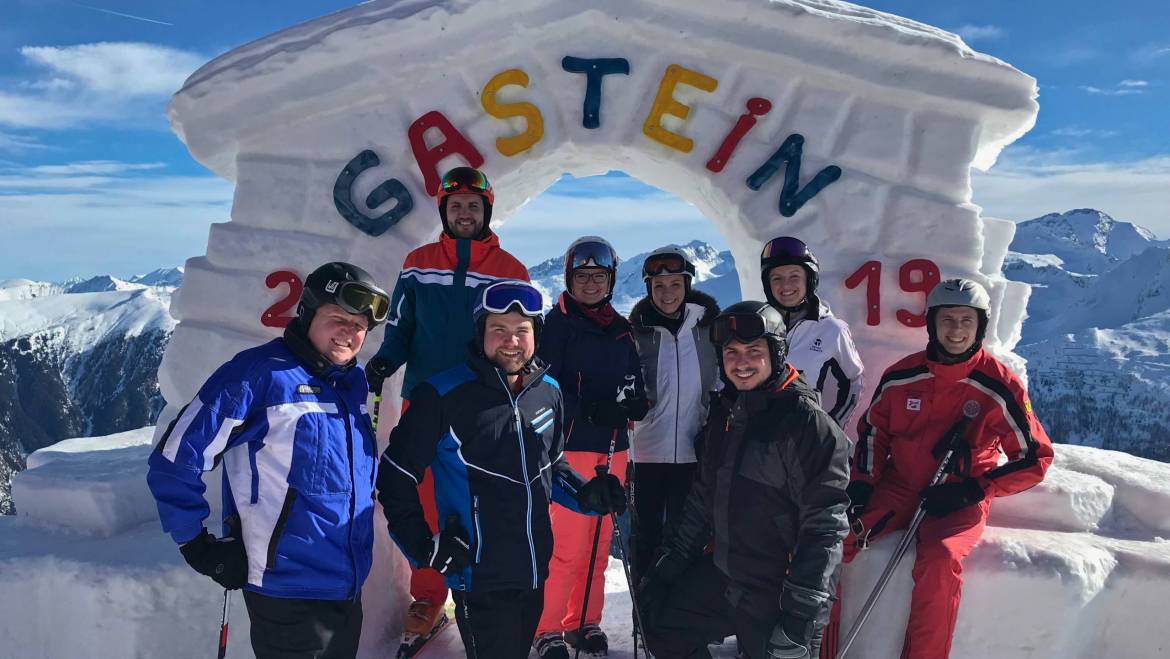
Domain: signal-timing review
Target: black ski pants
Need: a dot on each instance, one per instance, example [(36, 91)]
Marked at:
[(498, 624), (304, 628), (699, 611), (659, 493)]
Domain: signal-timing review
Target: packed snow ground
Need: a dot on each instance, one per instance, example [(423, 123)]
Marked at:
[(1076, 568)]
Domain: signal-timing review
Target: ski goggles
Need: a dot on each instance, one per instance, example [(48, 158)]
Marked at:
[(502, 297), (742, 327), (592, 255), (786, 247), (664, 264), (465, 179), (358, 298)]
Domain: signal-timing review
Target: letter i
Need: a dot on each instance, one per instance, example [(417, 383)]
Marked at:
[(756, 107)]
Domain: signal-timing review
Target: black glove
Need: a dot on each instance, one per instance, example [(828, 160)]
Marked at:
[(859, 493), (607, 414), (656, 585), (944, 499), (781, 645), (602, 495), (636, 408), (451, 551), (377, 370), (222, 559)]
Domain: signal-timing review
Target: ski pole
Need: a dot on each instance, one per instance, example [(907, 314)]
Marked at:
[(952, 441), (223, 626), (377, 410), (621, 543), (601, 471)]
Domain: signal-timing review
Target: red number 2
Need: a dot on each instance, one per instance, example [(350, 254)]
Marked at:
[(274, 316)]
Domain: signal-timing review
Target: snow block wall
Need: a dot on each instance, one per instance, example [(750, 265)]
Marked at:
[(851, 129)]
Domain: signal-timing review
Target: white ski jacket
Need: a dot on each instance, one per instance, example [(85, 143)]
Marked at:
[(821, 348)]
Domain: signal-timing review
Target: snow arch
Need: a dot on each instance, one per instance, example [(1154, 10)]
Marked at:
[(716, 102)]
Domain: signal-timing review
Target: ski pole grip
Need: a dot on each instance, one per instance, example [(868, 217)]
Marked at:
[(601, 469)]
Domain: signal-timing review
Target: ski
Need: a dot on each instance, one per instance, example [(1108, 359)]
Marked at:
[(413, 644)]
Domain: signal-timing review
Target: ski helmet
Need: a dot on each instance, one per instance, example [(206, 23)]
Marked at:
[(787, 250), (347, 286), (669, 260), (505, 296), (958, 293), (591, 252), (745, 322), (466, 180)]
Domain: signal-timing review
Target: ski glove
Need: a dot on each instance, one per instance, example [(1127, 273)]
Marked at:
[(377, 370), (607, 414), (222, 559), (656, 585), (944, 499), (780, 646), (602, 495), (452, 550), (859, 493)]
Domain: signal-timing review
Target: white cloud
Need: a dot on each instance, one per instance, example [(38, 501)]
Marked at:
[(96, 82), (95, 167), (1151, 52), (1133, 83), (973, 33), (12, 142), (1073, 131), (1027, 183), (1129, 90)]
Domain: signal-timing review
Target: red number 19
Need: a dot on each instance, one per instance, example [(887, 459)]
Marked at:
[(916, 276)]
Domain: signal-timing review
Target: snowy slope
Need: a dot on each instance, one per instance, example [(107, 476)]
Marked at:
[(1086, 240), (26, 289), (714, 271)]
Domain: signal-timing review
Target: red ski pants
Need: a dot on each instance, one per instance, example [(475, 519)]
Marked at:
[(426, 584), (943, 543), (564, 591)]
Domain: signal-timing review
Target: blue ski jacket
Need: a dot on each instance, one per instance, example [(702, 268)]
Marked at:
[(299, 462)]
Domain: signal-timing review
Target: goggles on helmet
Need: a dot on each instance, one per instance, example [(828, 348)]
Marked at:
[(786, 247), (357, 298), (465, 180), (664, 264), (592, 255), (742, 327), (504, 296)]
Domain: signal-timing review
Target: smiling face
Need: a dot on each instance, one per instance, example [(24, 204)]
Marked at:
[(956, 328), (789, 284), (465, 214), (667, 293), (589, 285), (336, 334), (509, 340), (747, 365)]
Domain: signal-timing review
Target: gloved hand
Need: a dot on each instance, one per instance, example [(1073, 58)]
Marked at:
[(653, 589), (607, 414), (781, 646), (222, 559), (377, 370), (946, 498), (602, 495), (859, 493), (636, 408), (452, 549)]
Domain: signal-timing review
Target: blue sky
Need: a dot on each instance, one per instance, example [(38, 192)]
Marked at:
[(92, 181)]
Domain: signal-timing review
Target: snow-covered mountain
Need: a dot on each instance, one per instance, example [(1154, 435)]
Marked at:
[(1098, 329), (714, 271), (77, 363)]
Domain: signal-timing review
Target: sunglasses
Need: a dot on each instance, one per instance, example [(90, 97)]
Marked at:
[(503, 296), (742, 327), (357, 298)]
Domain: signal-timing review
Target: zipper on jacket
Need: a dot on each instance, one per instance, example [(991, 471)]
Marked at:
[(677, 393), (478, 531), (352, 489), (524, 468)]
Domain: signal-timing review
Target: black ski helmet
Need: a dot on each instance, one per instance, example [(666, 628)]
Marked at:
[(591, 252), (669, 260), (958, 293), (347, 286), (786, 250), (747, 321), (466, 180)]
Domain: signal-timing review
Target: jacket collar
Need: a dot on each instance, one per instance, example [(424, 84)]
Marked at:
[(703, 307), (489, 374), (478, 248), (957, 371), (313, 361)]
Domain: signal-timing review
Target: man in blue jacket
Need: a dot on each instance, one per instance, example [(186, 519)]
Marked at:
[(491, 433), (288, 421)]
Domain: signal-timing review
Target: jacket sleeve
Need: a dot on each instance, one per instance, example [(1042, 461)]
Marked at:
[(410, 450), (565, 481), (552, 347), (212, 423), (637, 404), (821, 457), (399, 333), (1020, 437), (847, 369), (873, 439)]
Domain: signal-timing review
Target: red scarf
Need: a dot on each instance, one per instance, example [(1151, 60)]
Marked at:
[(602, 315)]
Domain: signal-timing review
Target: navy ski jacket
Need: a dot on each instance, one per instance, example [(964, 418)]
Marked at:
[(299, 462), (497, 463)]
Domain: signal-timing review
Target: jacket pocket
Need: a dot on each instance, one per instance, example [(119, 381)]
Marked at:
[(290, 497)]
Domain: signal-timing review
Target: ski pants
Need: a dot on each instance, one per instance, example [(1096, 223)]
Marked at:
[(499, 624), (942, 545), (564, 591), (426, 584), (658, 491), (304, 628), (699, 611)]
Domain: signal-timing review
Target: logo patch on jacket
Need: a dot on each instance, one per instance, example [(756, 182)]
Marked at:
[(308, 389), (914, 404), (971, 409), (816, 346)]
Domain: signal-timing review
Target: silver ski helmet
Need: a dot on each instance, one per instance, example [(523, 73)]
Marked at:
[(745, 322), (786, 250), (346, 285), (591, 252), (958, 292), (669, 260)]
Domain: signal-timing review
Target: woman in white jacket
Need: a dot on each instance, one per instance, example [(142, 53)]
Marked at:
[(819, 344), (680, 370)]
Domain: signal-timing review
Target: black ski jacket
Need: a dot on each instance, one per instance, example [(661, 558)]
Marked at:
[(771, 486), (496, 459)]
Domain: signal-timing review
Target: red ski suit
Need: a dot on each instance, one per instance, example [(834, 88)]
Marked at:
[(915, 404)]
